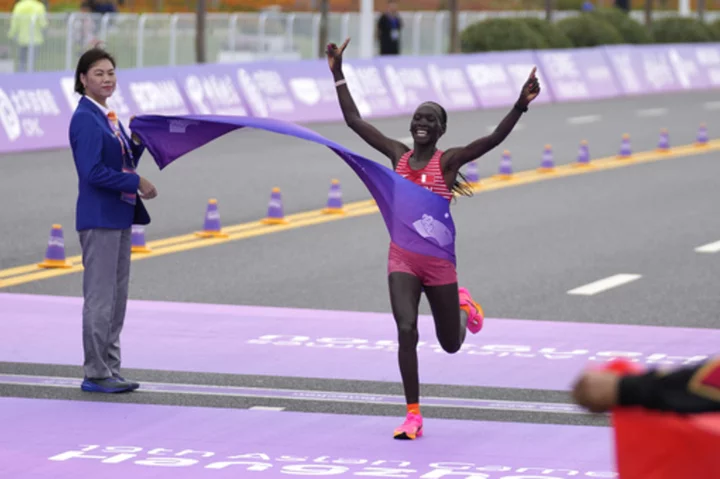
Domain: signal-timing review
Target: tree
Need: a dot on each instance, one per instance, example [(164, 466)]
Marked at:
[(324, 8), (454, 34), (201, 9), (549, 7)]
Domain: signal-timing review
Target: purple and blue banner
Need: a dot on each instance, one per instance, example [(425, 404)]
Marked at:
[(35, 109)]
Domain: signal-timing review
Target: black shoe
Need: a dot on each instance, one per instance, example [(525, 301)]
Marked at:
[(133, 385), (106, 385)]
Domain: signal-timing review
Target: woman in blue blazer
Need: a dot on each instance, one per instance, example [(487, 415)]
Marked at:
[(108, 205)]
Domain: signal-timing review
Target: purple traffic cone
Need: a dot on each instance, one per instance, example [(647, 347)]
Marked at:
[(583, 158), (275, 215), (334, 201), (548, 164), (664, 142), (138, 240), (55, 252), (212, 227), (625, 147), (472, 173), (702, 136), (505, 171)]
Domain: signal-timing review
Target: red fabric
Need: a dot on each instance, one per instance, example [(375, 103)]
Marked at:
[(430, 177)]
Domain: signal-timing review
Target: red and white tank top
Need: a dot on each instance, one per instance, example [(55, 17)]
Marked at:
[(431, 177)]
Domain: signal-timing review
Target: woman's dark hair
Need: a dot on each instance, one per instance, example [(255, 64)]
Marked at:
[(87, 60)]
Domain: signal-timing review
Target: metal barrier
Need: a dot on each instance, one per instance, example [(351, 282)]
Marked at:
[(153, 39)]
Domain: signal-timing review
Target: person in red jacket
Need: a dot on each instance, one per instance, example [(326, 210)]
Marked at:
[(686, 390)]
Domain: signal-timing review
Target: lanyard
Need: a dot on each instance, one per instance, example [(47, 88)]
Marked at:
[(124, 145)]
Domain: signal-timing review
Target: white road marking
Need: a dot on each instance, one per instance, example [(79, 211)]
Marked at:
[(267, 408), (651, 112), (408, 140), (582, 120), (604, 284), (709, 248), (712, 105)]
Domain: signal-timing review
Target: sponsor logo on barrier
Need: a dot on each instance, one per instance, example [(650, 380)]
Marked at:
[(214, 94), (487, 350), (161, 97), (266, 92), (452, 87), (315, 465), (368, 89), (21, 111), (708, 58)]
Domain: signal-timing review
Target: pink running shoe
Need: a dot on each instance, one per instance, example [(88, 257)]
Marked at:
[(412, 428), (474, 311)]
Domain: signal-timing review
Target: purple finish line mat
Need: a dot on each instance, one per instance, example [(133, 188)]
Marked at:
[(339, 345), (76, 439)]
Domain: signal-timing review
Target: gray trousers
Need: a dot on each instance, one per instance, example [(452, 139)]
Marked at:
[(106, 259)]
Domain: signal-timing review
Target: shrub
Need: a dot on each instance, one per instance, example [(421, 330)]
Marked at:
[(553, 36), (631, 30), (569, 4), (714, 28), (587, 30), (496, 34), (681, 30)]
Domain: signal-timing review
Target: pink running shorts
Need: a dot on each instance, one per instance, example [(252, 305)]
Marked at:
[(431, 271)]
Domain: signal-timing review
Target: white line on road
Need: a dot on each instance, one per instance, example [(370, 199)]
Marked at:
[(709, 248), (604, 284), (651, 112), (267, 408), (582, 120), (712, 105)]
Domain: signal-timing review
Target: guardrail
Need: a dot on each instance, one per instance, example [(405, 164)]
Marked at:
[(35, 108), (169, 39)]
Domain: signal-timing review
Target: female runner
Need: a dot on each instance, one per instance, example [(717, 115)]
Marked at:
[(409, 273)]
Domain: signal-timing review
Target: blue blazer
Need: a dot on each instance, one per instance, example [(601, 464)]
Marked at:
[(98, 161)]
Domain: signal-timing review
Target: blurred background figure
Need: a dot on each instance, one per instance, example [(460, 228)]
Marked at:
[(623, 5), (26, 31), (389, 28)]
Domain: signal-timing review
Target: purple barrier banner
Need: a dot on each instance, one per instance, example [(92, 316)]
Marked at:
[(644, 70), (577, 74), (707, 57), (696, 68), (497, 77), (33, 113), (408, 81), (450, 82), (211, 91), (35, 109)]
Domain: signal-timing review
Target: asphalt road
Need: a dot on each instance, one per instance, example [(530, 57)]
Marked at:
[(520, 249)]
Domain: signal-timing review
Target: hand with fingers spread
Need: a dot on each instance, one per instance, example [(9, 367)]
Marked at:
[(530, 90), (334, 55)]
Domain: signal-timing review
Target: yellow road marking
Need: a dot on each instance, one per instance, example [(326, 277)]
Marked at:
[(29, 273)]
